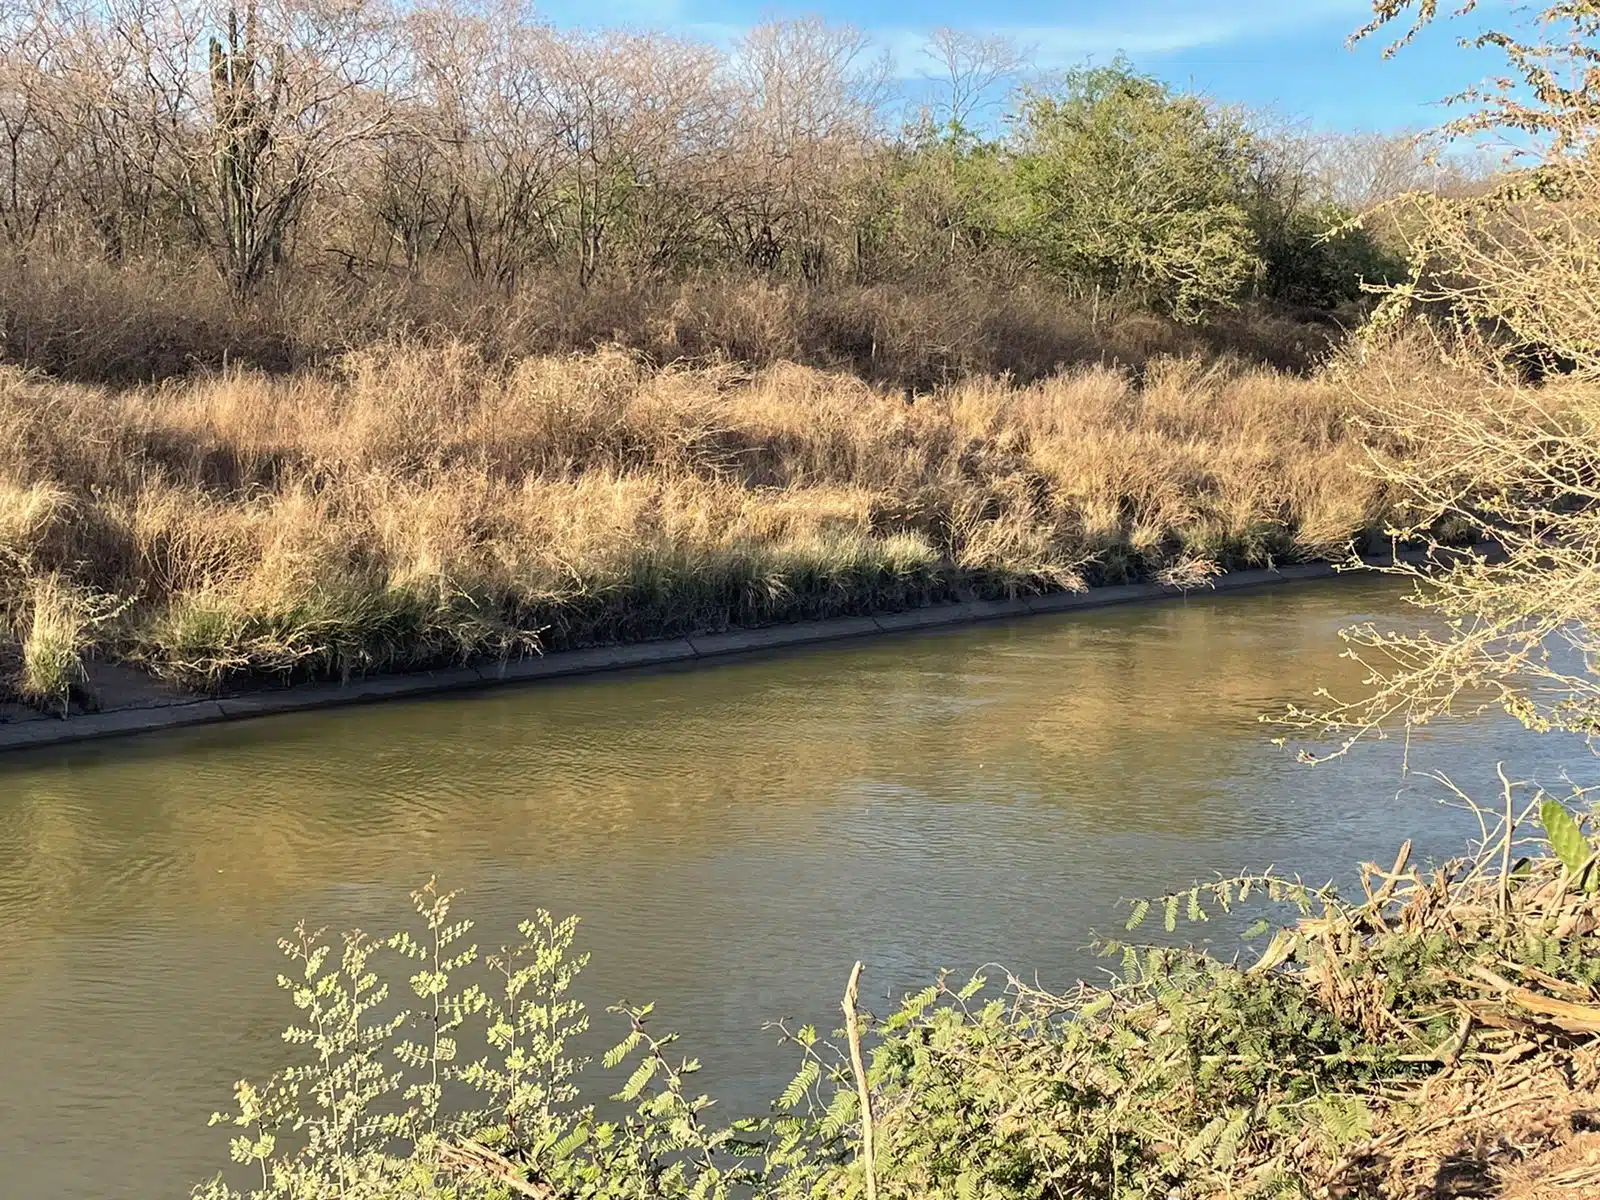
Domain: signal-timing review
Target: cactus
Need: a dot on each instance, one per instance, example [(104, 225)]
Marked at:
[(245, 105)]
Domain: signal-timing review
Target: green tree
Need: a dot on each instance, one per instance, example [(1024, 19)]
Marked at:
[(1131, 192), (942, 199)]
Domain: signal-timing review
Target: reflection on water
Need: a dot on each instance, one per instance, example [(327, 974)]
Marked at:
[(734, 837)]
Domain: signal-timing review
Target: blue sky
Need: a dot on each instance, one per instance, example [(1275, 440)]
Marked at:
[(1288, 55)]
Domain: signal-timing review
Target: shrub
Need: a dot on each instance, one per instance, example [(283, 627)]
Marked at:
[(1132, 191), (1322, 257), (1335, 1061)]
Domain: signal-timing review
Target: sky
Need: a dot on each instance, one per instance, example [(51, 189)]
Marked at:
[(1289, 56)]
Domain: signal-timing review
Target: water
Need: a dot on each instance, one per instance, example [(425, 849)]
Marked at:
[(734, 837)]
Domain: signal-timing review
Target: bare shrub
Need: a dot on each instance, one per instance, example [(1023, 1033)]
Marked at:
[(1467, 442)]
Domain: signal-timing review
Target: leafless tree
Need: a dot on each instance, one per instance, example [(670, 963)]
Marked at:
[(32, 94), (1360, 171), (241, 115), (808, 109), (969, 68)]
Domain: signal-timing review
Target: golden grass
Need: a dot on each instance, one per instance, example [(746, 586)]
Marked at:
[(56, 634), (417, 504)]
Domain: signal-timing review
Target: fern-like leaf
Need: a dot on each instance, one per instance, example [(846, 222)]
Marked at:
[(642, 1074), (621, 1050), (1141, 909), (804, 1079)]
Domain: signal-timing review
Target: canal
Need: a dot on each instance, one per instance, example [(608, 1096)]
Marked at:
[(733, 835)]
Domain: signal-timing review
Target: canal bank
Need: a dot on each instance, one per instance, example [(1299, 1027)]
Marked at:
[(131, 704)]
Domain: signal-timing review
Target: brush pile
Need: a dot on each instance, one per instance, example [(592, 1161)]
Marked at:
[(1440, 1036)]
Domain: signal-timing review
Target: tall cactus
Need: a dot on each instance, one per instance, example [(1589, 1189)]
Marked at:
[(245, 106)]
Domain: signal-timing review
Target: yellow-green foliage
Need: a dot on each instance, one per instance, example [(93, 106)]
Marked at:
[(1336, 1060), (1134, 191)]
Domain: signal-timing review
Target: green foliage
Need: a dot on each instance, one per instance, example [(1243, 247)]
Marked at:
[(334, 628), (1566, 839), (1189, 1075), (1319, 255), (1132, 190), (385, 1102), (940, 204)]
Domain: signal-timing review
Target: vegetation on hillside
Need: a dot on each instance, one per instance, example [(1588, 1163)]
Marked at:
[(420, 505), (377, 336), (1438, 1036), (375, 147), (323, 182), (357, 336)]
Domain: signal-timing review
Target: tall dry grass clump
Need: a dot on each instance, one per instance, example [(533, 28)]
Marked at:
[(418, 504)]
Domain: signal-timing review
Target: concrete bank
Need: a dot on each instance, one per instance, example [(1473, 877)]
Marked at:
[(147, 715)]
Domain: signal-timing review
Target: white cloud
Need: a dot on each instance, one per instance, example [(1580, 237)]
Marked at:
[(1146, 29), (1143, 29)]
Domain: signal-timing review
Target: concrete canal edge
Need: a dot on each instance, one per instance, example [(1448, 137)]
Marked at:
[(119, 722)]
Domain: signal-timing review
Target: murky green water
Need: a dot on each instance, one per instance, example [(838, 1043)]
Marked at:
[(734, 836)]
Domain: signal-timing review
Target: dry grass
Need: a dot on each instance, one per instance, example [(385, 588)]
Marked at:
[(419, 504), (60, 617), (82, 319)]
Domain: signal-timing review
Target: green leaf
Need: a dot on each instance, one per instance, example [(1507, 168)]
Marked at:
[(567, 1145), (621, 1050), (1200, 1144), (800, 1084), (1346, 1118), (1229, 1140), (635, 1086), (1095, 1007), (1566, 839), (1141, 909)]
